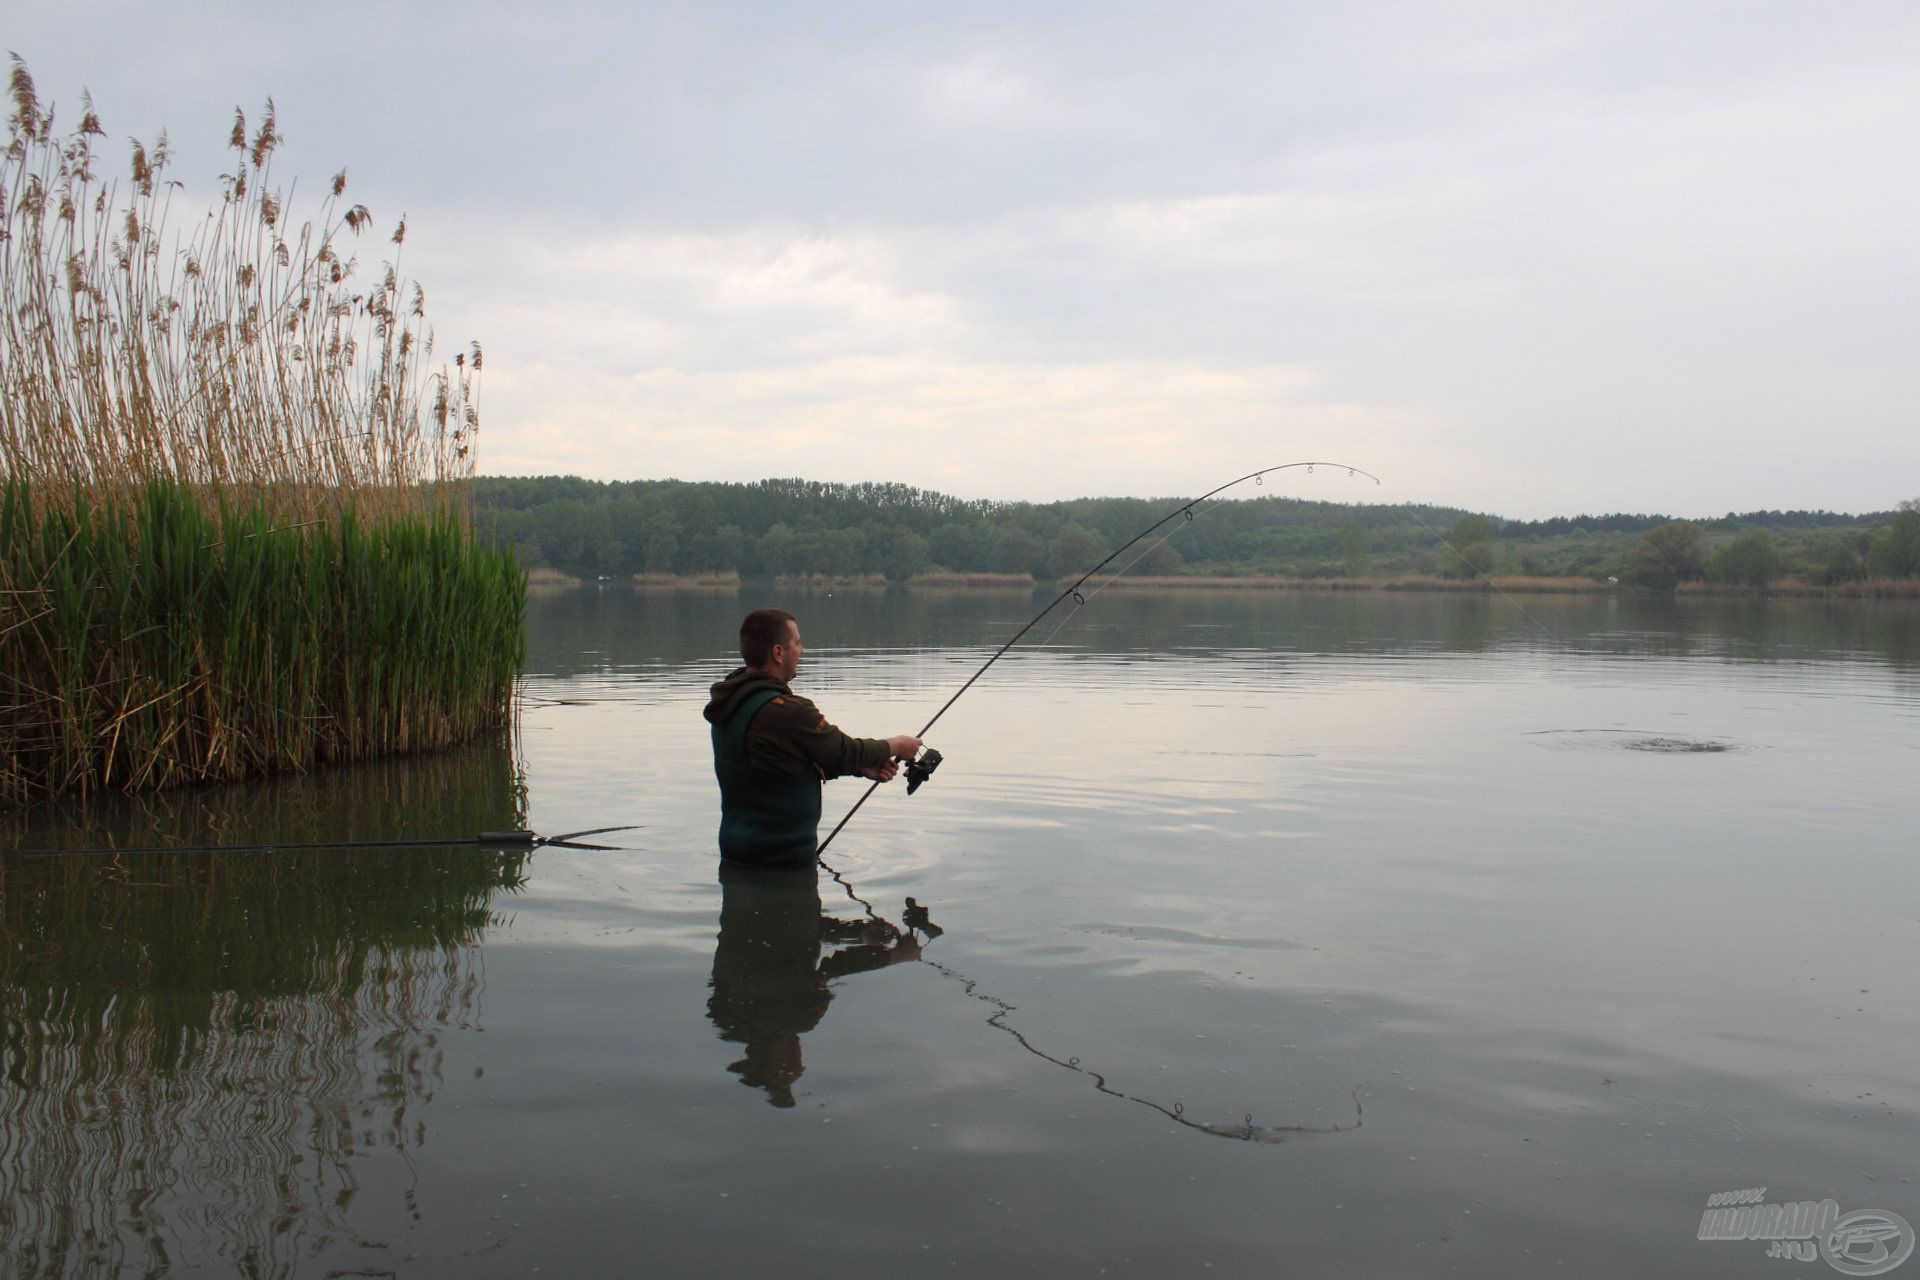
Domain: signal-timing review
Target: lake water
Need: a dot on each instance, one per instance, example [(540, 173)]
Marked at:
[(1252, 934)]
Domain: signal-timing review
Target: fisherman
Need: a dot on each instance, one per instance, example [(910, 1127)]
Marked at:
[(772, 749)]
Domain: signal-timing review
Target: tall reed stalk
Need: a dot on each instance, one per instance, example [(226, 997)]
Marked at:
[(235, 524), (242, 352)]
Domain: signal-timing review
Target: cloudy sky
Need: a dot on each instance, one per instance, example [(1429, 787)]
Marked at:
[(1533, 258)]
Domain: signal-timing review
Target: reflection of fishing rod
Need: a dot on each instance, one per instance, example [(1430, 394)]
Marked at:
[(918, 771), (919, 921), (486, 839), (1245, 1131)]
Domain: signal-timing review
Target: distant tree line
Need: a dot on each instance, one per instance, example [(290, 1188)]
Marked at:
[(1678, 551), (779, 527)]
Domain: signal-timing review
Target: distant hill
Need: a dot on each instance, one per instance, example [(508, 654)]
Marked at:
[(788, 526)]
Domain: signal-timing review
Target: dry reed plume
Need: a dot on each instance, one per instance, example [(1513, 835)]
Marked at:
[(242, 354)]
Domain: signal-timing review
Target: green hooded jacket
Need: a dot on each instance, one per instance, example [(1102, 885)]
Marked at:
[(771, 751)]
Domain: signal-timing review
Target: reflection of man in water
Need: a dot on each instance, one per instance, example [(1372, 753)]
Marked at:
[(770, 982), (772, 749)]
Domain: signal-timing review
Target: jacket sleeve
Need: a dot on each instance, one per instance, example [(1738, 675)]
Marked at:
[(790, 736)]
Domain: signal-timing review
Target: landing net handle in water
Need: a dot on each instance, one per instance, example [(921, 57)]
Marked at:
[(1185, 509)]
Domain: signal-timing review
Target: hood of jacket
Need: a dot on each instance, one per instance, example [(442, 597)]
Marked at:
[(728, 693)]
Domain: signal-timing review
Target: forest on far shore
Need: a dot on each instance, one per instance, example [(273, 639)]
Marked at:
[(790, 527)]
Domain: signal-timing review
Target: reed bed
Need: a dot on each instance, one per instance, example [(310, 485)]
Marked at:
[(149, 643), (235, 521)]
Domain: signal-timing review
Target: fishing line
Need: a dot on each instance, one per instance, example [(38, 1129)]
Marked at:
[(1083, 601), (1185, 509), (1087, 598), (1487, 576)]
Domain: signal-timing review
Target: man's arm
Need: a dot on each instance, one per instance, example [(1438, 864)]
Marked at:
[(789, 735)]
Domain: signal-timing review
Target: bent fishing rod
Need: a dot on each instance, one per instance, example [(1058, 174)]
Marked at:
[(921, 768)]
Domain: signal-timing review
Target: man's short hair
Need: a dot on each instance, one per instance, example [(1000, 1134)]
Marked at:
[(763, 629)]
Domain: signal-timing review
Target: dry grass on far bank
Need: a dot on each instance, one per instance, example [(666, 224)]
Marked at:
[(948, 578), (715, 578), (1512, 584), (1402, 582), (1864, 589)]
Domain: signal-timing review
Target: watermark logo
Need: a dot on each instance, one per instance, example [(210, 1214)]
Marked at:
[(1866, 1242)]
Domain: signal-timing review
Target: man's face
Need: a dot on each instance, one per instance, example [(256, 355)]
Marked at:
[(786, 657)]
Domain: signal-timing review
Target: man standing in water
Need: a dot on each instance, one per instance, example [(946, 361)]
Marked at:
[(773, 749)]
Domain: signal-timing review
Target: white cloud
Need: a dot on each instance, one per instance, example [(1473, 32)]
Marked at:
[(983, 429), (984, 89), (720, 300)]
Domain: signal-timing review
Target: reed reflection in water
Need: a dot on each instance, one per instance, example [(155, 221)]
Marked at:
[(209, 1058)]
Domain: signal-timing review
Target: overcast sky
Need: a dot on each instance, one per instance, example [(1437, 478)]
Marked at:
[(1534, 259)]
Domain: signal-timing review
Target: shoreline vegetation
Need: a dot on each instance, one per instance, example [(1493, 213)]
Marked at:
[(798, 531), (1863, 589), (236, 523)]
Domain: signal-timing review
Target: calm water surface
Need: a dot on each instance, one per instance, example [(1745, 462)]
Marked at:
[(1251, 934)]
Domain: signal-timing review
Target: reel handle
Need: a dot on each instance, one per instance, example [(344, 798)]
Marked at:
[(920, 768)]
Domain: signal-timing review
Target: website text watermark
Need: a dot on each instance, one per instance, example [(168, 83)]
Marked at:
[(1866, 1242)]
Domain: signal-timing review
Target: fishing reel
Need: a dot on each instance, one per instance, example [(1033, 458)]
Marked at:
[(921, 768)]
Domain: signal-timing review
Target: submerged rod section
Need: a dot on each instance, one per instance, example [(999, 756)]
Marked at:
[(1185, 509), (486, 839)]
